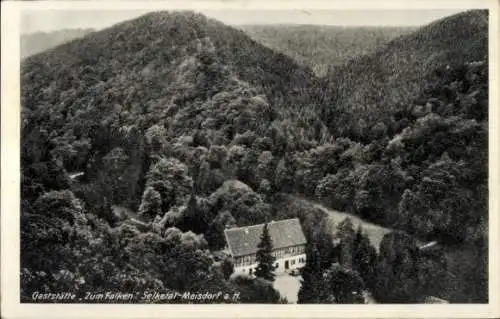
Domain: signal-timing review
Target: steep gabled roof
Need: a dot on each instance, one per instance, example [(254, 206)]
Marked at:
[(284, 233)]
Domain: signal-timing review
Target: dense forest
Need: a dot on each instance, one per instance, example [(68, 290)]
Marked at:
[(142, 142), (323, 47)]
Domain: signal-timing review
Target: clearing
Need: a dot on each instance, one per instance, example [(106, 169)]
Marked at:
[(374, 232)]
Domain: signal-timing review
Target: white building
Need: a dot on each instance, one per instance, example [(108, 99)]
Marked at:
[(288, 245)]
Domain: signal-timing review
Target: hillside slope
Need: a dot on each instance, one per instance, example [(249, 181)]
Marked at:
[(322, 47), (165, 85), (419, 110), (364, 91), (171, 35)]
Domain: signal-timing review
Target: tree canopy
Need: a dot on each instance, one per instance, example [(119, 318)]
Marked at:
[(179, 126)]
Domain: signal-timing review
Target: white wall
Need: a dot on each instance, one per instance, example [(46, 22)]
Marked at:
[(293, 263)]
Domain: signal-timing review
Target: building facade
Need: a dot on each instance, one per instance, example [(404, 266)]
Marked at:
[(288, 245)]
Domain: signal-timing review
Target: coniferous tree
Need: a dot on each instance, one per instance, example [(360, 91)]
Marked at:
[(346, 234), (196, 218), (312, 276), (150, 204), (320, 253), (364, 257), (265, 259), (397, 269)]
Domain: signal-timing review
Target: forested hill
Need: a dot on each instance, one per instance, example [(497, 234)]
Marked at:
[(161, 38), (370, 88), (322, 47), (33, 43), (417, 104), (177, 79)]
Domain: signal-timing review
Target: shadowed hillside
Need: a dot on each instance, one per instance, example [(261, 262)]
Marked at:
[(37, 42)]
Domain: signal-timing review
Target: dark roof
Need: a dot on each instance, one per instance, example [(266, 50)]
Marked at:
[(284, 233)]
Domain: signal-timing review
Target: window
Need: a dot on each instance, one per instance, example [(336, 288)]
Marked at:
[(293, 261)]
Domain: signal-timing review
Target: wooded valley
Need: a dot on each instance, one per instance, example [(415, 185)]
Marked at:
[(142, 142)]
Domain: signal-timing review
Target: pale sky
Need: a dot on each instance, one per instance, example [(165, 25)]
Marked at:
[(49, 20)]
